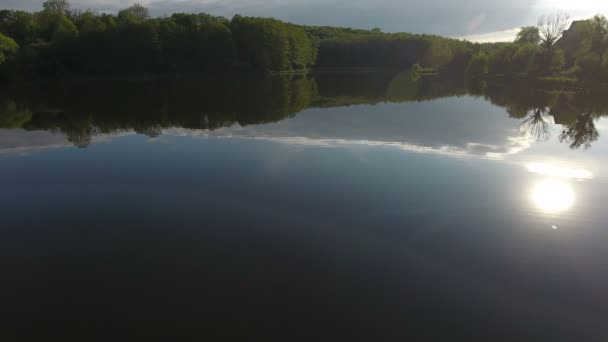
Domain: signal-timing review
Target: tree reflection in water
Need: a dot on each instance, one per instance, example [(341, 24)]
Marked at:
[(581, 133), (82, 109), (535, 126)]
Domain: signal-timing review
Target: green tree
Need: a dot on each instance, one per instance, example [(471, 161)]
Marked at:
[(64, 30), (500, 59), (269, 44), (528, 35), (56, 6), (478, 65), (89, 22), (195, 42), (19, 25), (11, 116), (524, 59), (136, 13), (8, 47)]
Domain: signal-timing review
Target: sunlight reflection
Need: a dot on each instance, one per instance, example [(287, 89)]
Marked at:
[(556, 171), (553, 196)]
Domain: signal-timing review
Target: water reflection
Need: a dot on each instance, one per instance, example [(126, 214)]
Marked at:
[(81, 110), (580, 133), (199, 223), (557, 171), (536, 126), (553, 196)]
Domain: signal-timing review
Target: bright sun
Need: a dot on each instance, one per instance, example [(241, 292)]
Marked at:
[(553, 196)]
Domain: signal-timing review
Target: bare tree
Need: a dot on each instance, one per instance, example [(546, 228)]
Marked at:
[(551, 28)]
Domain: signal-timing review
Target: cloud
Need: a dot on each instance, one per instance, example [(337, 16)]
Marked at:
[(431, 16), (480, 130), (513, 145), (23, 142), (499, 36), (451, 18)]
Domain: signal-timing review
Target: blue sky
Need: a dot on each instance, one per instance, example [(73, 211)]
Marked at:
[(481, 20)]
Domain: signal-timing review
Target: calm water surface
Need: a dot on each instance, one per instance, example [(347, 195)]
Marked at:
[(337, 205)]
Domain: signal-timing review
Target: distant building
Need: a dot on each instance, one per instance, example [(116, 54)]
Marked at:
[(571, 40)]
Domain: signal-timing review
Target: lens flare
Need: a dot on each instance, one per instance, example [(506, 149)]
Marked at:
[(553, 196)]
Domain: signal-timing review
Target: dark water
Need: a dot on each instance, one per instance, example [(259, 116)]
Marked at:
[(334, 206)]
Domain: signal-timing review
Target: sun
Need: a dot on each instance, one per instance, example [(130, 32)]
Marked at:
[(553, 196)]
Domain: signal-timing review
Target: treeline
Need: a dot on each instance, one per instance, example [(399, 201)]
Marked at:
[(58, 41), (346, 48), (556, 49)]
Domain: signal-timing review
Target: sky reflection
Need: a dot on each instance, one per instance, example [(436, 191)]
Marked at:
[(560, 172)]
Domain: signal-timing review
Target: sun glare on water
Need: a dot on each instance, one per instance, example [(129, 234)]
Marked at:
[(553, 196)]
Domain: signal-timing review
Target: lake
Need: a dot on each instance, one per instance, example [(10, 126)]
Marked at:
[(329, 206)]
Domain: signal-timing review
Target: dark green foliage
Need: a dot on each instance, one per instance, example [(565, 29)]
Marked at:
[(195, 42), (11, 116), (528, 35), (373, 50), (478, 65), (599, 37), (269, 44), (19, 25), (352, 48), (58, 42), (58, 7), (134, 14), (8, 52), (8, 47)]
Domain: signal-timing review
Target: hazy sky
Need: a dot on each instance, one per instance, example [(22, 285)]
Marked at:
[(476, 19)]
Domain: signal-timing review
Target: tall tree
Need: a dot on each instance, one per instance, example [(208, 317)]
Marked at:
[(56, 6), (528, 35), (551, 28), (599, 38)]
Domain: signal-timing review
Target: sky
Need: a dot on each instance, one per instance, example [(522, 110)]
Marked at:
[(477, 20)]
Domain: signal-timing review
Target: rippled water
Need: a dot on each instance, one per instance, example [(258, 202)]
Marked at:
[(329, 206)]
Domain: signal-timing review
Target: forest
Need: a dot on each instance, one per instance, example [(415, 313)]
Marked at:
[(58, 42)]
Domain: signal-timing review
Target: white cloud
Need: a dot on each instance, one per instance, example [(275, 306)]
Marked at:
[(431, 16), (499, 36)]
